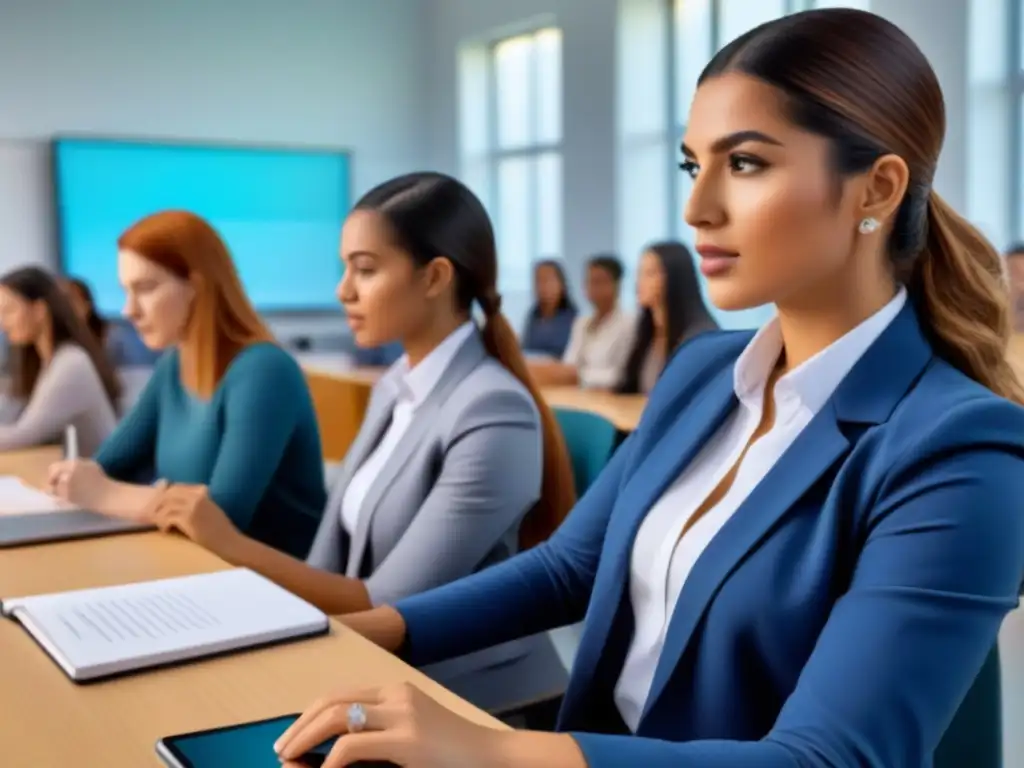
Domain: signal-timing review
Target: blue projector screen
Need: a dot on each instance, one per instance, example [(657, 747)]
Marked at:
[(280, 212)]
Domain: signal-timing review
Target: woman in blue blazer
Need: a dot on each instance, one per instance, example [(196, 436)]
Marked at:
[(803, 554)]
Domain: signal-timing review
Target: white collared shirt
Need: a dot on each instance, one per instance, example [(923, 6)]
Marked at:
[(662, 557), (414, 385), (599, 352)]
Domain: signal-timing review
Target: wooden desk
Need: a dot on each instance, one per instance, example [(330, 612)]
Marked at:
[(621, 410), (46, 720), (340, 404), (32, 465)]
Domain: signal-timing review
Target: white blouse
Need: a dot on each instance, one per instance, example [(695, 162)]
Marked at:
[(414, 385), (662, 558), (599, 352)]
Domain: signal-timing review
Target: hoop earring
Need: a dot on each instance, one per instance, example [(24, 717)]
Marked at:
[(867, 225)]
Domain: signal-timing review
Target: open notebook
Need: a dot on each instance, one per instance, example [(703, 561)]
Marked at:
[(98, 633), (19, 498)]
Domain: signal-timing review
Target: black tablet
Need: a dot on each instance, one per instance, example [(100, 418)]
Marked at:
[(246, 745)]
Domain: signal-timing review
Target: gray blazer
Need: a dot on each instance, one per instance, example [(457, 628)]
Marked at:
[(450, 499)]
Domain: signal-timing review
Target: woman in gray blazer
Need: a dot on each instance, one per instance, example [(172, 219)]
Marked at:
[(459, 462)]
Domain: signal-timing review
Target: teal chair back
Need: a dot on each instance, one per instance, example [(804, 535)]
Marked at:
[(591, 440), (975, 737)]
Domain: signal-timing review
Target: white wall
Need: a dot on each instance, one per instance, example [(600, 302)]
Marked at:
[(338, 73)]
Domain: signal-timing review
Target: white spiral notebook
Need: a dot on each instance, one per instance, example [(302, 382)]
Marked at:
[(98, 633)]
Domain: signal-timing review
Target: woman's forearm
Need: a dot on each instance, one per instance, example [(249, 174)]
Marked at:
[(126, 500), (533, 749), (383, 626), (332, 593)]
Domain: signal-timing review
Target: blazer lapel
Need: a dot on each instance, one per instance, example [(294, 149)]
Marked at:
[(817, 448), (868, 394), (469, 356), (328, 545), (671, 452), (375, 423)]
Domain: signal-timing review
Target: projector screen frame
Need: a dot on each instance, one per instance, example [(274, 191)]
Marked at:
[(195, 142)]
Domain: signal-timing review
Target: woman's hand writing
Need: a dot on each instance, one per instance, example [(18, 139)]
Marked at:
[(82, 483)]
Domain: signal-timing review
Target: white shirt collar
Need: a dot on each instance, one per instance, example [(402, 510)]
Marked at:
[(415, 384), (590, 322), (813, 381)]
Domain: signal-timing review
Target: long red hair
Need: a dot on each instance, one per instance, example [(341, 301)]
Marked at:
[(223, 321)]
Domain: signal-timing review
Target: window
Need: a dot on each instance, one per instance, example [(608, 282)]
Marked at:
[(1016, 12), (510, 98), (645, 174), (861, 5), (991, 115)]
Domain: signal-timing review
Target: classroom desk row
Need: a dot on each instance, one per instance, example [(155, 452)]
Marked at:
[(341, 397), (47, 720)]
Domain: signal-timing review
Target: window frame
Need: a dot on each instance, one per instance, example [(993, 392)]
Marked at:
[(1015, 82), (495, 155)]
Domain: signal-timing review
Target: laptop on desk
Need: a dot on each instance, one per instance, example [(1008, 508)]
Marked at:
[(40, 528)]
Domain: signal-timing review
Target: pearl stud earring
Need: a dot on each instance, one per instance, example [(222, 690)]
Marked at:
[(868, 225)]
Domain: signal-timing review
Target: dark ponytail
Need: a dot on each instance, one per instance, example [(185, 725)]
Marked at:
[(959, 287), (436, 216), (558, 494)]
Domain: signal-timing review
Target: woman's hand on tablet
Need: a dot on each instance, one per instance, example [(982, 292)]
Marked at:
[(398, 724)]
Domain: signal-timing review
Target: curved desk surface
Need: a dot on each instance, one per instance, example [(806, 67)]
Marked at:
[(621, 410)]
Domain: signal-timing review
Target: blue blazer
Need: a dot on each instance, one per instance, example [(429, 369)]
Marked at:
[(839, 617)]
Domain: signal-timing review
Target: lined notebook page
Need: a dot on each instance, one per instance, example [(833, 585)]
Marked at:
[(18, 498), (98, 632)]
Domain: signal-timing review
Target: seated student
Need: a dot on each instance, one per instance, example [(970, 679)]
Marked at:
[(600, 343), (59, 375), (803, 555), (123, 345), (226, 408), (672, 310), (550, 319), (456, 446)]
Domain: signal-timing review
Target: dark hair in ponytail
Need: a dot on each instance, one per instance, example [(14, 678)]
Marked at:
[(435, 216), (961, 294), (857, 80)]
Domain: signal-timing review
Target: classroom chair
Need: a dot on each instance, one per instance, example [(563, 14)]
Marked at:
[(975, 737), (591, 439), (529, 693), (526, 692)]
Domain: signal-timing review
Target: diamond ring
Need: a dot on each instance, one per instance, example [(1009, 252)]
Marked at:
[(356, 718)]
